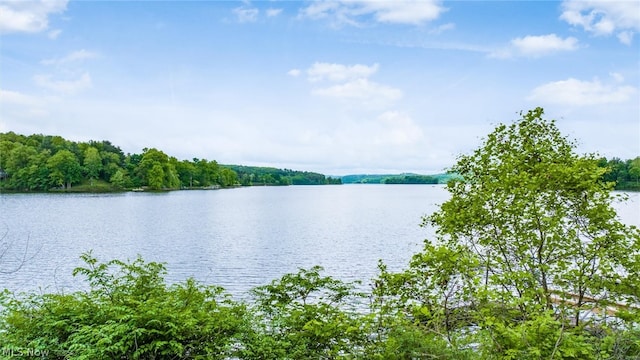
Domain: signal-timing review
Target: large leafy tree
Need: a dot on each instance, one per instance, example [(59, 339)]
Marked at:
[(228, 177), (539, 220), (64, 168), (16, 160), (527, 247), (158, 170), (92, 162), (155, 177), (110, 164)]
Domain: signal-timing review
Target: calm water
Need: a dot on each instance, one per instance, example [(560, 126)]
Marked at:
[(237, 238)]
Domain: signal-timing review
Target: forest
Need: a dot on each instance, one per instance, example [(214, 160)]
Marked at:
[(624, 173), (257, 175), (51, 163), (397, 179), (528, 261), (44, 163)]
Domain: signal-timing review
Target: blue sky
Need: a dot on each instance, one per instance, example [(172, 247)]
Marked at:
[(336, 87)]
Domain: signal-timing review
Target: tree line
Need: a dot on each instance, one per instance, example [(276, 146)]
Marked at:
[(528, 261), (624, 173), (395, 179), (44, 162), (259, 175), (411, 179)]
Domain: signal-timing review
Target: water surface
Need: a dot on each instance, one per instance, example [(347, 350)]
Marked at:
[(235, 238)]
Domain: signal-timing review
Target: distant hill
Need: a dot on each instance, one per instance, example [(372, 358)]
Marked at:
[(405, 178), (259, 175)]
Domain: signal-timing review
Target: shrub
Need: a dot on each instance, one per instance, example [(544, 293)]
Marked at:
[(128, 313)]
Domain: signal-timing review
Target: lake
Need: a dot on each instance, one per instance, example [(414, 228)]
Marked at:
[(236, 238)]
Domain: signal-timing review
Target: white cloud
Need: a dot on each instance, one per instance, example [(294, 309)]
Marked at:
[(582, 93), (617, 77), (413, 12), (543, 44), (66, 78), (53, 34), (398, 129), (443, 45), (386, 140), (339, 72), (319, 9), (246, 14), (14, 97), (602, 17), (19, 105), (75, 56), (328, 8), (351, 83), (294, 72), (273, 12), (502, 53), (442, 28), (361, 89), (625, 37), (403, 12), (64, 86), (536, 46), (28, 16), (391, 140)]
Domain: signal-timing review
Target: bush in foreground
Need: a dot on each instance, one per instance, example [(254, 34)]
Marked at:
[(128, 313)]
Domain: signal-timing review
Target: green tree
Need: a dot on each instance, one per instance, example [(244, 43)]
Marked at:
[(92, 162), (537, 217), (111, 163), (64, 168), (15, 163), (186, 172), (171, 180), (532, 249), (305, 316), (120, 179), (227, 177), (634, 169), (155, 177), (51, 143), (38, 173), (617, 170), (5, 149), (157, 170), (206, 172), (131, 165)]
